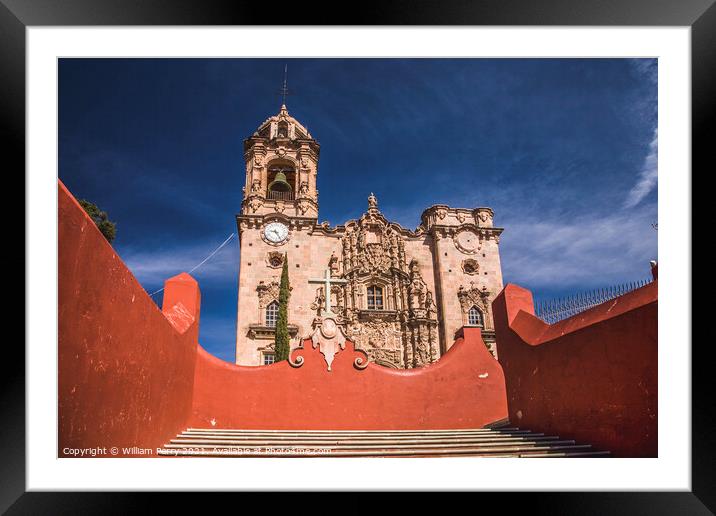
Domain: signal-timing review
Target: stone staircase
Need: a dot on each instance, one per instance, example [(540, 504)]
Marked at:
[(479, 442)]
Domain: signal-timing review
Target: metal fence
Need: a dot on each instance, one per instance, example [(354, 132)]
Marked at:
[(280, 196), (553, 310)]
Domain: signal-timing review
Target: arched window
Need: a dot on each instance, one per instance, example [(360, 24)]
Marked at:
[(272, 314), (375, 298), (474, 316), (282, 180)]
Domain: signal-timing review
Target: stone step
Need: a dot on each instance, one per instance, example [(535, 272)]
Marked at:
[(514, 451), (293, 435), (357, 442), (339, 445), (329, 438), (505, 441), (567, 454), (430, 431)]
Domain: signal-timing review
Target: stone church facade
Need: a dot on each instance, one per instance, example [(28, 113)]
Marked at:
[(399, 294)]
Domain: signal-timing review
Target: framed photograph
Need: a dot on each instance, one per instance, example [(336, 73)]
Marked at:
[(493, 183)]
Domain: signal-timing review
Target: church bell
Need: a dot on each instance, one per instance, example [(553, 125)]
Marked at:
[(279, 184)]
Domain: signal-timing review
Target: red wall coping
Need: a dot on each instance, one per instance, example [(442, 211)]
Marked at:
[(534, 331), (464, 389)]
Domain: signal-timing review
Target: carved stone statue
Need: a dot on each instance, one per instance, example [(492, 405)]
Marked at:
[(430, 305), (319, 303), (422, 351), (303, 188), (333, 263), (372, 201)]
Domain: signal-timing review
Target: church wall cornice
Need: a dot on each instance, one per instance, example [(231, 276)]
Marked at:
[(256, 222), (444, 215), (380, 219)]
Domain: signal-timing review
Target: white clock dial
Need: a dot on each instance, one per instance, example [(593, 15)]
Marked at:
[(276, 232)]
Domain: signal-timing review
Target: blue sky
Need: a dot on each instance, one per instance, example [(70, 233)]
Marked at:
[(564, 151)]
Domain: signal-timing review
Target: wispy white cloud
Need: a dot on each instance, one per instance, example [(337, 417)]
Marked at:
[(646, 68), (588, 250), (153, 266), (648, 176)]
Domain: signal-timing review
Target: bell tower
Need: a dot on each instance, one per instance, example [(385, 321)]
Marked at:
[(281, 167), (279, 212)]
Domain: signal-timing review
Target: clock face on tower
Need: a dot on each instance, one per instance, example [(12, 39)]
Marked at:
[(466, 241), (276, 232)]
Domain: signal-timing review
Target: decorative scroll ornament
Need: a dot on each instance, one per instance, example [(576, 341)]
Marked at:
[(361, 363), (299, 359)]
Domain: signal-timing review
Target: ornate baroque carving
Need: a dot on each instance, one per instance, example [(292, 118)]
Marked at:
[(268, 292), (380, 340), (274, 259), (470, 266), (403, 334), (255, 203), (329, 338), (474, 296)]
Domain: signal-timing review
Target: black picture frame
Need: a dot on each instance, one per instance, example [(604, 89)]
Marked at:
[(17, 15)]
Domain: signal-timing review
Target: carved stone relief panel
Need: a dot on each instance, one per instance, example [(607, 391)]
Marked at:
[(474, 296), (470, 266), (274, 259)]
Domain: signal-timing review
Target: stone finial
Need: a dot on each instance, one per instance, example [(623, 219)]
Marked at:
[(372, 202)]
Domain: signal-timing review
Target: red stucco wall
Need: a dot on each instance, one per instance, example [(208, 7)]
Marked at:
[(132, 375), (592, 377), (125, 372), (464, 389)]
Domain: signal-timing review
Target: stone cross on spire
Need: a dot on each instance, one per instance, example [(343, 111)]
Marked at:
[(327, 281)]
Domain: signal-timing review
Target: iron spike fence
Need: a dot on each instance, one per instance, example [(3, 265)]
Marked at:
[(553, 310)]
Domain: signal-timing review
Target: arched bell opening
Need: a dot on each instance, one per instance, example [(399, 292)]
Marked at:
[(282, 182)]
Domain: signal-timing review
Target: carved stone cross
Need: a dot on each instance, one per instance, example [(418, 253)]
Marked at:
[(327, 281)]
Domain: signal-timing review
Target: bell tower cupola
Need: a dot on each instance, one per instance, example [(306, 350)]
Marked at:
[(281, 167)]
